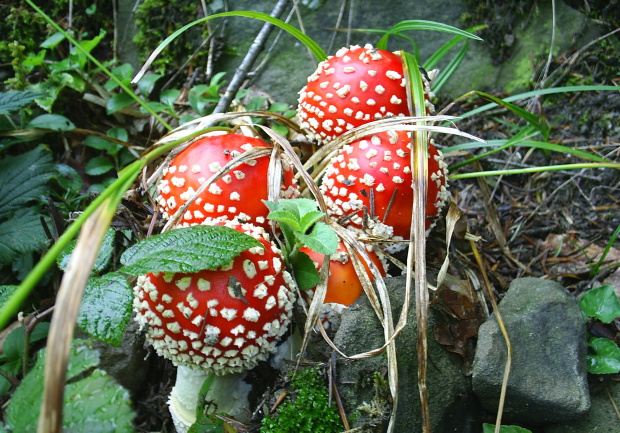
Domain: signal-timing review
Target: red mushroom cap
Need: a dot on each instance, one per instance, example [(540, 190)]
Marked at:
[(343, 284), (238, 195), (354, 87), (221, 321), (379, 166)]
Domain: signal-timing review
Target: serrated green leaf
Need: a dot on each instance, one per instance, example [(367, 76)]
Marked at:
[(94, 404), (322, 239), (284, 216), (24, 179), (490, 428), (299, 206), (304, 272), (605, 356), (5, 294), (118, 101), (54, 122), (97, 404), (21, 234), (190, 249), (16, 100), (98, 165), (310, 218), (106, 308), (103, 257), (146, 83), (601, 303)]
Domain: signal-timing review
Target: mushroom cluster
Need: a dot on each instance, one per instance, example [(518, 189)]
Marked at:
[(371, 178), (355, 86), (237, 196)]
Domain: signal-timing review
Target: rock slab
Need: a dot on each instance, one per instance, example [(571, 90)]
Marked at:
[(548, 378), (363, 382)]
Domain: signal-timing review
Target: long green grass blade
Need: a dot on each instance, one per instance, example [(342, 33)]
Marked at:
[(528, 170), (436, 57), (597, 266), (534, 93), (422, 25), (316, 50), (450, 68), (543, 145), (538, 123)]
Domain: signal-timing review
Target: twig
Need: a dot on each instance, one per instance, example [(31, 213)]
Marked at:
[(248, 61)]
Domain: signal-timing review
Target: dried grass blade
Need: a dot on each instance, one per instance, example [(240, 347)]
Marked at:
[(417, 239), (502, 327), (453, 217), (67, 309)]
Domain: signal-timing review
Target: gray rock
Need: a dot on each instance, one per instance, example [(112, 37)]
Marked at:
[(548, 379), (128, 363), (602, 416), (289, 64), (362, 382)]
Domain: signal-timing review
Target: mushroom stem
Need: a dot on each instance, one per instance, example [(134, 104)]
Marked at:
[(228, 394)]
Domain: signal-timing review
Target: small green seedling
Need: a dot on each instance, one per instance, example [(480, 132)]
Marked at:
[(299, 221)]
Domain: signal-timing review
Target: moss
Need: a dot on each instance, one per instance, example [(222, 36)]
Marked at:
[(504, 21), (23, 25), (307, 410), (158, 19)]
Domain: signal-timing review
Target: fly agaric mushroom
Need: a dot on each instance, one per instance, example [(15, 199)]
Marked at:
[(238, 195), (354, 87), (216, 322), (373, 175), (343, 284)]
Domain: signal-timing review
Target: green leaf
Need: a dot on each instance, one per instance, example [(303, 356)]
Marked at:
[(106, 308), (69, 179), (118, 102), (13, 347), (123, 73), (286, 217), (94, 404), (189, 249), (146, 83), (168, 97), (14, 101), (5, 294), (99, 143), (54, 122), (278, 107), (20, 235), (53, 40), (103, 257), (605, 358), (310, 218), (24, 179), (601, 303), (490, 428), (98, 165), (322, 239), (304, 272)]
